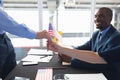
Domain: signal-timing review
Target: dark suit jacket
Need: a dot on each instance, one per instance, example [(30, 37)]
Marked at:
[(108, 42)]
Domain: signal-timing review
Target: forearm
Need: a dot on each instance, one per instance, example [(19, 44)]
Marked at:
[(87, 56)]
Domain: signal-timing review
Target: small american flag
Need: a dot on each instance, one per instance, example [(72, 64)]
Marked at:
[(51, 30), (55, 35)]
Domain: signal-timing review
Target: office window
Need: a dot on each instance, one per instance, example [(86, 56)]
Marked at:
[(74, 22), (30, 19)]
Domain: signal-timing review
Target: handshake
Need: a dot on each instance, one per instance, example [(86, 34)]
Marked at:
[(54, 43)]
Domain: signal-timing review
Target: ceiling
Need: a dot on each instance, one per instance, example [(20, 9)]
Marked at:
[(56, 3)]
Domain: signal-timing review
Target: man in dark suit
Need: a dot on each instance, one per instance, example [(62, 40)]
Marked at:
[(101, 52)]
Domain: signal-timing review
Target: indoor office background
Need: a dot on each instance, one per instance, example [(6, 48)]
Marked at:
[(75, 18)]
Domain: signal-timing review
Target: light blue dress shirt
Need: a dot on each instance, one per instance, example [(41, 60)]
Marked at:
[(104, 31), (8, 24)]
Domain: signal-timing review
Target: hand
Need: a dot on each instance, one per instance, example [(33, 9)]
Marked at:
[(64, 58), (57, 48), (43, 34), (52, 46)]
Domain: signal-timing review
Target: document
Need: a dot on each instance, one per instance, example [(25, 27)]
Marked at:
[(38, 55), (36, 58), (97, 76), (29, 63), (44, 74), (40, 52)]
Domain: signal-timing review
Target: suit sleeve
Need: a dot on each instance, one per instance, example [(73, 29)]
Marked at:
[(86, 46), (89, 44), (112, 55)]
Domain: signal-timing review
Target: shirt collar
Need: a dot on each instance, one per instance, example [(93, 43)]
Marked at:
[(105, 31)]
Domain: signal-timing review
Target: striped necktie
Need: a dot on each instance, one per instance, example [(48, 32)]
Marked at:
[(99, 37), (98, 41)]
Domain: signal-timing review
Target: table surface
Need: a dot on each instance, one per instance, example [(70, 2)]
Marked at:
[(31, 71)]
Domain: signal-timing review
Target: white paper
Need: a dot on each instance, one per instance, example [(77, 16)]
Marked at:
[(40, 52), (32, 58), (97, 76), (26, 63), (36, 58), (46, 59)]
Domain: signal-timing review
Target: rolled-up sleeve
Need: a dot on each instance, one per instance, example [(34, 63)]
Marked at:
[(112, 55)]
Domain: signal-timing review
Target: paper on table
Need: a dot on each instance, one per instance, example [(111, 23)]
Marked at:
[(29, 63), (46, 59), (40, 52), (97, 76), (31, 58), (36, 58)]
